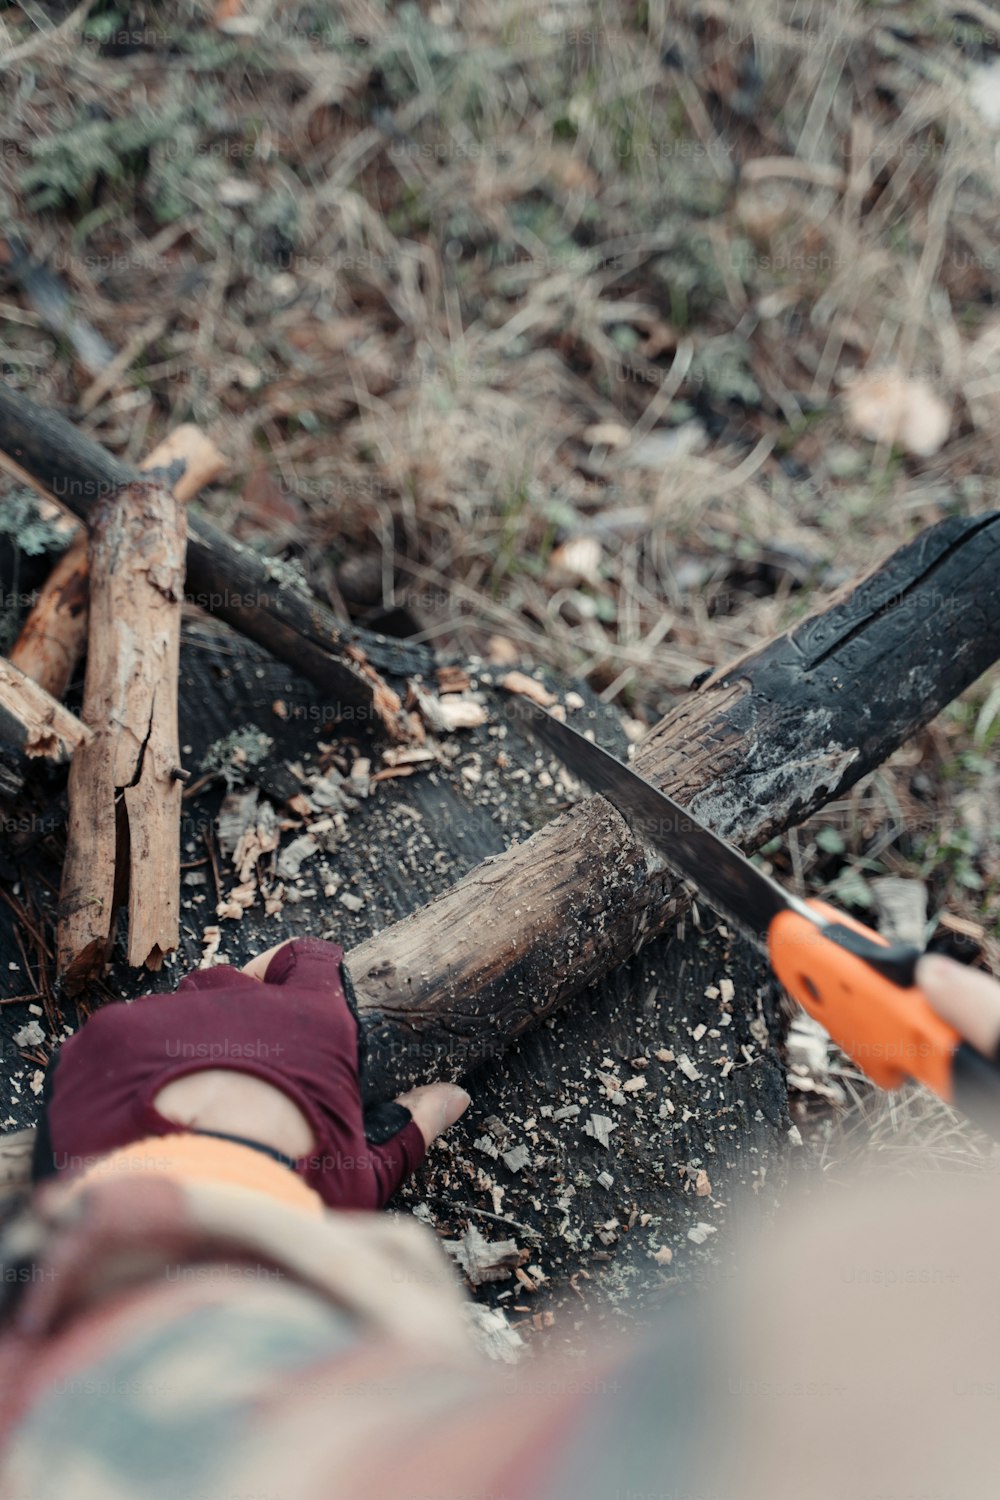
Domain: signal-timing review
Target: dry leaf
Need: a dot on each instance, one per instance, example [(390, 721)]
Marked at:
[(606, 435), (578, 560), (889, 407), (501, 651)]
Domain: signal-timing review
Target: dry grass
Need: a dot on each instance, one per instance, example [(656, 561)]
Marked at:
[(537, 321), (909, 1131)]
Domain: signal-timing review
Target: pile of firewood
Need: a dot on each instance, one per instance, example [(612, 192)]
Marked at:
[(116, 594)]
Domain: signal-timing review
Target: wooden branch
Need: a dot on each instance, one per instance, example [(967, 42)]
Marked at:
[(202, 463), (124, 798), (759, 748), (34, 720), (229, 580), (53, 638)]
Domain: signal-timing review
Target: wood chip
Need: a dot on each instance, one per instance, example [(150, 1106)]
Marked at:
[(295, 854), (260, 838), (452, 679), (700, 1233), (406, 755), (390, 773), (663, 1256), (482, 1261), (445, 715), (494, 1334), (211, 938), (517, 1158), (688, 1068), (600, 1127), (702, 1186), (237, 814), (727, 990), (527, 687)]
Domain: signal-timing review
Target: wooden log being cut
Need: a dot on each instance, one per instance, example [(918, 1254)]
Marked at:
[(123, 832), (253, 594), (761, 746), (53, 638), (35, 721)]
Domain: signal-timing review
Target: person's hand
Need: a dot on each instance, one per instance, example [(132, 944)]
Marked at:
[(257, 967), (966, 998), (435, 1106)]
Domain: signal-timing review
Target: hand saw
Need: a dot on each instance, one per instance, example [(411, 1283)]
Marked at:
[(859, 987)]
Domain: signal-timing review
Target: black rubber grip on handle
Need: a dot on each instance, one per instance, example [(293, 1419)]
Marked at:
[(897, 962)]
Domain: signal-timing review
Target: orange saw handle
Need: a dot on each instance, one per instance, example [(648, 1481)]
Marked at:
[(862, 990)]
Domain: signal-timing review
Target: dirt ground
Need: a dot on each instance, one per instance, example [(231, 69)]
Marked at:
[(606, 338)]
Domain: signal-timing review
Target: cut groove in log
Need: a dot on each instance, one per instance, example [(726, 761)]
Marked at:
[(34, 720), (223, 577), (53, 638), (124, 798), (757, 749)]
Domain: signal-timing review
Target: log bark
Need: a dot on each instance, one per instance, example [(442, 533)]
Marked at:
[(53, 638), (228, 580), (758, 748), (34, 720), (124, 799)]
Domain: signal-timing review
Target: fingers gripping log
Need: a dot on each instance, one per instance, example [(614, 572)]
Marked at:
[(123, 832)]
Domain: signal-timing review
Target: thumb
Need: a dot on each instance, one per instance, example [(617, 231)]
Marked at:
[(435, 1106), (966, 998)]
